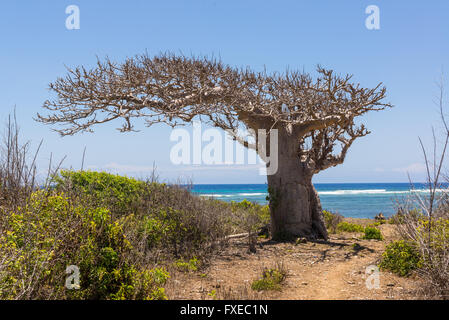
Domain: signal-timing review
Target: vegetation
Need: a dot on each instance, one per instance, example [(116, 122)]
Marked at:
[(372, 232), (262, 212), (272, 279), (331, 220), (314, 116), (191, 265), (162, 216), (334, 223), (251, 217), (124, 234), (430, 238), (401, 257), (121, 234), (112, 228), (122, 194), (51, 232), (423, 220), (349, 227)]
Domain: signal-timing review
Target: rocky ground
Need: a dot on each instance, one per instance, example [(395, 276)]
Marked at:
[(315, 270)]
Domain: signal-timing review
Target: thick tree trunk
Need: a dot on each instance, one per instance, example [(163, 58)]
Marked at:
[(295, 206)]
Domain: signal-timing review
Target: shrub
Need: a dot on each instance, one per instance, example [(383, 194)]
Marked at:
[(251, 218), (187, 226), (262, 212), (372, 233), (163, 216), (431, 239), (17, 174), (433, 244), (399, 217), (438, 237), (271, 280), (400, 257), (332, 220), (191, 265), (113, 228), (349, 227), (121, 195), (38, 241)]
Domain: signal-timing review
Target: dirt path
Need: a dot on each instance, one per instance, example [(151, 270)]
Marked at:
[(329, 284), (315, 270)]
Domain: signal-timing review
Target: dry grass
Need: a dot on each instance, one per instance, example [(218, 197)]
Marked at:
[(424, 218)]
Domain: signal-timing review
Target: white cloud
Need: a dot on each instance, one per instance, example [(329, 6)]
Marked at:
[(412, 168), (124, 168), (220, 167)]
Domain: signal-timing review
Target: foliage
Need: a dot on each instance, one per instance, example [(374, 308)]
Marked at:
[(271, 279), (401, 257), (213, 294), (430, 237), (262, 212), (399, 217), (118, 193), (164, 216), (191, 265), (51, 232), (349, 227), (438, 238), (331, 220), (251, 218), (372, 232)]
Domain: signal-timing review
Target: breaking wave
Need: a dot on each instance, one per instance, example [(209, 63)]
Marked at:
[(217, 195), (329, 193), (255, 194), (375, 191)]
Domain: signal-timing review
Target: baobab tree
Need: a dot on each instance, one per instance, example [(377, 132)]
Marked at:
[(314, 116)]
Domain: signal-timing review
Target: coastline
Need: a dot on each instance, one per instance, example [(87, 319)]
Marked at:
[(352, 200)]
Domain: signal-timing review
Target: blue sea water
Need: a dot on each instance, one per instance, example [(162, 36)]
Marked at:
[(357, 200)]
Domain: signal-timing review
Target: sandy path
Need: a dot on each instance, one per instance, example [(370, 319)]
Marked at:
[(334, 270)]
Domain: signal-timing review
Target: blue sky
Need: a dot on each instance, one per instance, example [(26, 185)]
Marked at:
[(407, 54)]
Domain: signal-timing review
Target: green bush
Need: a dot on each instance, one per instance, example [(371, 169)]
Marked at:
[(399, 217), (349, 227), (271, 280), (262, 212), (121, 195), (51, 232), (251, 218), (331, 220), (165, 216), (400, 257), (192, 265), (110, 227), (372, 233), (439, 234)]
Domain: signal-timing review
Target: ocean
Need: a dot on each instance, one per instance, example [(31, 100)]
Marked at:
[(357, 200)]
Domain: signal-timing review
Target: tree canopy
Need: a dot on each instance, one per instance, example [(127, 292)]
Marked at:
[(318, 114)]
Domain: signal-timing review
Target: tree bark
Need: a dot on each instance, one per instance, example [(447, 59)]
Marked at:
[(294, 203)]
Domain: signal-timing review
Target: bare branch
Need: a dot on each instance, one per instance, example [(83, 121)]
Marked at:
[(175, 89)]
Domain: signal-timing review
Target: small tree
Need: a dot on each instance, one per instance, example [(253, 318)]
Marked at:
[(314, 118)]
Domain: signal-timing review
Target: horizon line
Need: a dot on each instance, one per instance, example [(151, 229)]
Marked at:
[(320, 183)]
